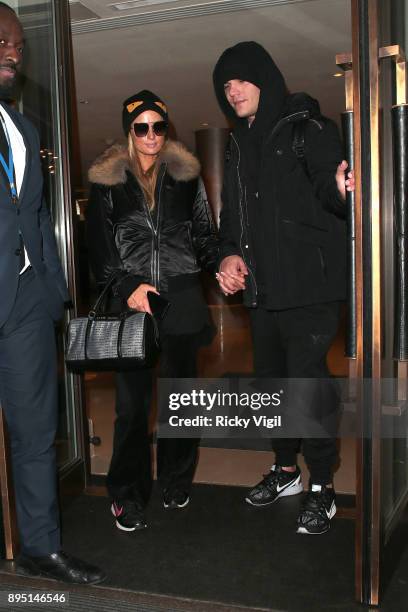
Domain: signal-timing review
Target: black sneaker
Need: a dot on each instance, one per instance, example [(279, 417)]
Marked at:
[(274, 485), (175, 499), (129, 515), (318, 508)]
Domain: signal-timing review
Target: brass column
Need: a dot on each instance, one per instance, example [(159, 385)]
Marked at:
[(210, 149)]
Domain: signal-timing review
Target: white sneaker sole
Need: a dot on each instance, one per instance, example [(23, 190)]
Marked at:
[(332, 512), (293, 489), (178, 505), (121, 527)]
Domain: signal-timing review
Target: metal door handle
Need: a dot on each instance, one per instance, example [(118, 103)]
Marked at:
[(399, 116), (347, 120), (400, 141)]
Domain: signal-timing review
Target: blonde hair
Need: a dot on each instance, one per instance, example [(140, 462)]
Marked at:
[(147, 180)]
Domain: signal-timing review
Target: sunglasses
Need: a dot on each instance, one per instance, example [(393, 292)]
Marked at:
[(142, 129)]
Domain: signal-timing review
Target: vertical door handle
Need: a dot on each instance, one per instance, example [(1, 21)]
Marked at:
[(399, 117), (400, 142), (347, 119)]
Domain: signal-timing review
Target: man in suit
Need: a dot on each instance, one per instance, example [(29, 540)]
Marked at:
[(33, 292)]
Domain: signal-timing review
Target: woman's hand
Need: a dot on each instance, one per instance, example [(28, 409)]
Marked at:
[(231, 276), (138, 299)]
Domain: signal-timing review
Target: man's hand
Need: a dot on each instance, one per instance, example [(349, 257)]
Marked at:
[(231, 276), (344, 182), (138, 299)]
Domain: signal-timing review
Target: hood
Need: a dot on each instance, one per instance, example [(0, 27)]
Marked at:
[(110, 168), (249, 61)]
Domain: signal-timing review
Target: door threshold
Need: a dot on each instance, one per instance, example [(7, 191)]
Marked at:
[(95, 598)]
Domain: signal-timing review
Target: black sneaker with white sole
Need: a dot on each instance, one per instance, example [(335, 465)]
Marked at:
[(278, 483), (318, 508), (129, 515), (175, 499)]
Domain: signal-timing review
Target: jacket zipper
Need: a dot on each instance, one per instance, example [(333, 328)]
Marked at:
[(155, 262), (254, 301), (157, 243)]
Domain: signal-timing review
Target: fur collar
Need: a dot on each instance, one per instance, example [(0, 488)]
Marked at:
[(110, 168)]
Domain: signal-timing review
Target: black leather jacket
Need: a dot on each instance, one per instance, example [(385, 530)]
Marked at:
[(165, 248)]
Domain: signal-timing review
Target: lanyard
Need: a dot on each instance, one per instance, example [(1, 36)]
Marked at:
[(8, 168)]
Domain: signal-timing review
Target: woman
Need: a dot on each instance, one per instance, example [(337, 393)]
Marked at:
[(149, 224)]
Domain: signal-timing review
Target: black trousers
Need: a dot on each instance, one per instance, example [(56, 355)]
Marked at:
[(130, 471), (28, 394), (294, 344)]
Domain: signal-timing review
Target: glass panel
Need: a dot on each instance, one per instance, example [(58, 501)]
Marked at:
[(39, 102), (394, 456)]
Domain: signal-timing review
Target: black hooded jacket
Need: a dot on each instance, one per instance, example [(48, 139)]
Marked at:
[(285, 218)]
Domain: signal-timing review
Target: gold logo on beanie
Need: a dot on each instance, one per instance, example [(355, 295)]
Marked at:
[(161, 105), (131, 107)]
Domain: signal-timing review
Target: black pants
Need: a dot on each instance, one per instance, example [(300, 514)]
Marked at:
[(130, 472), (29, 398), (294, 344)]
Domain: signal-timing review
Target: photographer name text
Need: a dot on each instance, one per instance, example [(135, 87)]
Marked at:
[(226, 421)]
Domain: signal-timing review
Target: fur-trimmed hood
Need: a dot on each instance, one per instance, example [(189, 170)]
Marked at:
[(110, 168)]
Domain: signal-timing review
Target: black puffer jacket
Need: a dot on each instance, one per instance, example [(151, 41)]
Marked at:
[(303, 212), (287, 215), (167, 248)]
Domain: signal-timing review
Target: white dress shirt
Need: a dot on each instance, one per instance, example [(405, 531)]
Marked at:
[(19, 159)]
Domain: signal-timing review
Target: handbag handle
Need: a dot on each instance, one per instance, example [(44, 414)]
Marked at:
[(96, 309)]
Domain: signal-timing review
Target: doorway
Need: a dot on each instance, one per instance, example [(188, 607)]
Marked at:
[(324, 28)]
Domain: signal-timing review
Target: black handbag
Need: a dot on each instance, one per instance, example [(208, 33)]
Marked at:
[(102, 341)]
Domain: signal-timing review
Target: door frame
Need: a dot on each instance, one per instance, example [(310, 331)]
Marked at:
[(371, 532), (72, 477)]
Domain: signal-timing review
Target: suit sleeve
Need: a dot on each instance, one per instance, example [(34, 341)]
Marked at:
[(204, 233), (323, 153), (103, 254)]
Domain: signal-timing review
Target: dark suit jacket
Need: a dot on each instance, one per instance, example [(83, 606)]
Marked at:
[(31, 217)]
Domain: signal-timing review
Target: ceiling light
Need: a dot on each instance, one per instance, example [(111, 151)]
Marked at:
[(338, 74), (134, 4)]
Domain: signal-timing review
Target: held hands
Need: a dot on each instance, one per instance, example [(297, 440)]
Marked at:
[(138, 299), (344, 182), (231, 276)]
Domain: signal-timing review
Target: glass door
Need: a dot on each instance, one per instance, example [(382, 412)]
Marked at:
[(378, 76), (46, 99)]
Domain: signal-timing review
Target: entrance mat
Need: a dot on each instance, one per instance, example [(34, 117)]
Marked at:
[(218, 553), (219, 549)]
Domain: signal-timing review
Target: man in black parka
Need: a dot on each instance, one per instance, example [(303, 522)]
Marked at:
[(282, 230)]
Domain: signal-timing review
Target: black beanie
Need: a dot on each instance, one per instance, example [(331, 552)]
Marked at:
[(139, 103)]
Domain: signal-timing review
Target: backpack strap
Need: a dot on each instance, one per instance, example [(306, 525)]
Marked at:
[(298, 140)]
